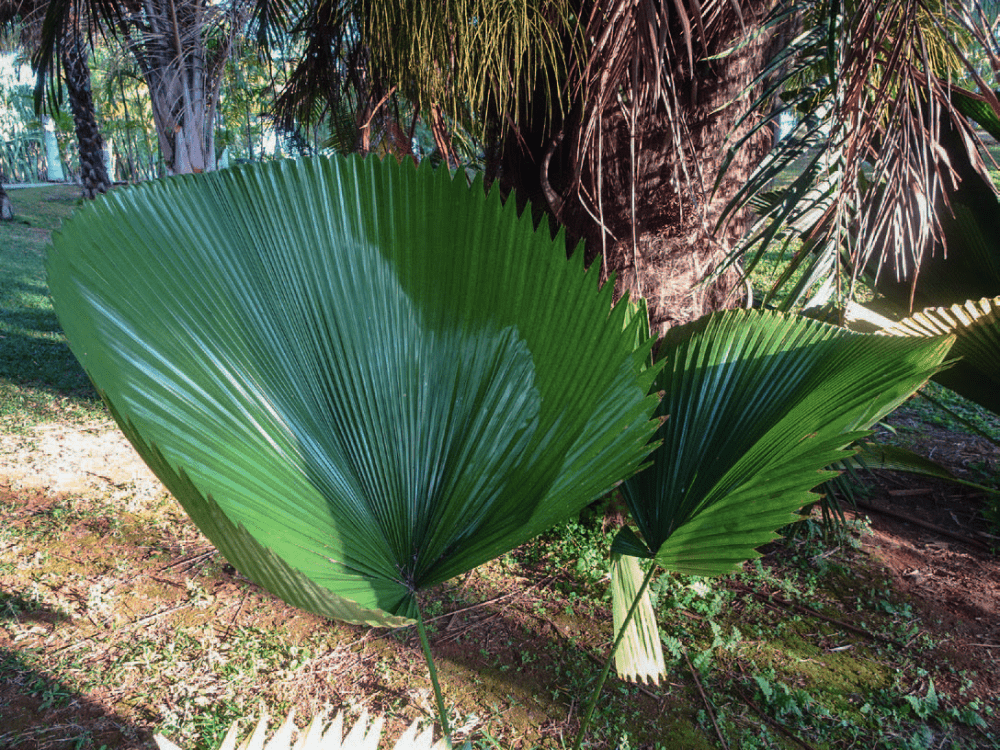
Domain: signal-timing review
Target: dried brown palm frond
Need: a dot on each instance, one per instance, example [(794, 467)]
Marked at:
[(872, 85)]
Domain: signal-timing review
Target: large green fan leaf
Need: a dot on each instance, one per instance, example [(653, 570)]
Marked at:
[(977, 328), (757, 404), (359, 378)]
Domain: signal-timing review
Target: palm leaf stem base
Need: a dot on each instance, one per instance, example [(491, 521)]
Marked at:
[(432, 671), (592, 704)]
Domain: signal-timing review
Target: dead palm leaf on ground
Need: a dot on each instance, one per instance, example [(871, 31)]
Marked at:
[(320, 734)]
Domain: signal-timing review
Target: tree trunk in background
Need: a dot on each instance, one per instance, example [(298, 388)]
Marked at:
[(6, 206), (53, 157), (182, 64), (93, 172), (655, 201), (676, 248)]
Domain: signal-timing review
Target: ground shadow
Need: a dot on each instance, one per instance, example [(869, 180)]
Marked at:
[(40, 712), (15, 607), (536, 665), (34, 353)]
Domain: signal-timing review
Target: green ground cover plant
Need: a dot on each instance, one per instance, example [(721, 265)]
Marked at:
[(127, 623)]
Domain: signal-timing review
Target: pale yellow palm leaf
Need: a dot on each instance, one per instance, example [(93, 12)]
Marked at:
[(321, 735)]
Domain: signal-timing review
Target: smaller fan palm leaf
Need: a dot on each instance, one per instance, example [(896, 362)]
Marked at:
[(756, 405)]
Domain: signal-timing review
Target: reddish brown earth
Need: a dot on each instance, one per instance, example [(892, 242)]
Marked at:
[(84, 486), (932, 537)]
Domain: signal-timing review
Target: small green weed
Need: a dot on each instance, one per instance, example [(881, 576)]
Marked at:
[(575, 552), (699, 595)]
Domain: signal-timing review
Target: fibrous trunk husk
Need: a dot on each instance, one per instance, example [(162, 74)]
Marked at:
[(658, 202), (632, 171), (93, 173)]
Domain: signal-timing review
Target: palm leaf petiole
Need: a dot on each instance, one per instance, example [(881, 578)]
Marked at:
[(432, 671), (592, 704)]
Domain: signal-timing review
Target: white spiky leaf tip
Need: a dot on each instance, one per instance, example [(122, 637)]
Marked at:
[(322, 735)]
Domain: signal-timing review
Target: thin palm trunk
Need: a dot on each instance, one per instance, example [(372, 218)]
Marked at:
[(181, 48), (93, 172)]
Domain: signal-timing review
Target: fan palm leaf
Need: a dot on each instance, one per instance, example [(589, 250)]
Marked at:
[(321, 735), (756, 406), (359, 378), (976, 325)]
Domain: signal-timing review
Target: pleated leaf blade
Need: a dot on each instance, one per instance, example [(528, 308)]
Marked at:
[(757, 405), (378, 375), (976, 325), (639, 657)]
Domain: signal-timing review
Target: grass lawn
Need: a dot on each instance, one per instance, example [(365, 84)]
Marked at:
[(39, 377), (117, 619)]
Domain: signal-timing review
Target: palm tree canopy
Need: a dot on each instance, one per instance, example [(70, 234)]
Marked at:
[(359, 378)]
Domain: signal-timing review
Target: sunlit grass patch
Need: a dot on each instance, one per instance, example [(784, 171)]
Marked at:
[(40, 380)]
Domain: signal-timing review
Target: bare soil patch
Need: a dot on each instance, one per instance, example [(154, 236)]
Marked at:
[(55, 458), (931, 538), (131, 624)]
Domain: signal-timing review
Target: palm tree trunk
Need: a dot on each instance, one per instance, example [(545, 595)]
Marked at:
[(93, 173), (637, 183), (659, 202), (183, 75), (663, 206)]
